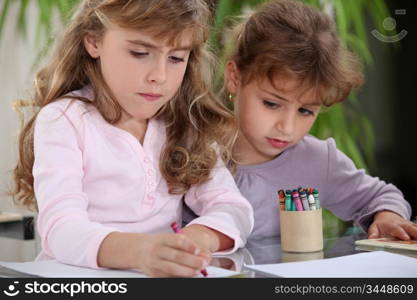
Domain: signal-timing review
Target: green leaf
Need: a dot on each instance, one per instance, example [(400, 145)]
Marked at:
[(21, 19), (358, 20), (360, 47), (353, 98), (368, 141), (65, 8), (3, 16), (332, 225), (354, 152), (342, 19), (378, 11), (315, 3), (224, 9), (44, 26)]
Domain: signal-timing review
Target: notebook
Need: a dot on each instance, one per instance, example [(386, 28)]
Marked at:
[(388, 244)]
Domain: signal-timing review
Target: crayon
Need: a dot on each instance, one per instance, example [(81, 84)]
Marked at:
[(292, 201), (316, 198), (304, 200), (176, 229), (281, 197), (297, 201), (311, 202), (288, 200)]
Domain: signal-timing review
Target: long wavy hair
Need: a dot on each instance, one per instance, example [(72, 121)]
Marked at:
[(199, 127)]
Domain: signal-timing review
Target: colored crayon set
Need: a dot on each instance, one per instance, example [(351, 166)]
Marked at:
[(299, 199)]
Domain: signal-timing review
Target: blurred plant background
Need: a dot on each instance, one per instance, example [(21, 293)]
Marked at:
[(346, 123)]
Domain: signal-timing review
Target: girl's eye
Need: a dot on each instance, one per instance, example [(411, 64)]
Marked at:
[(138, 54), (176, 59), (270, 104), (306, 112)]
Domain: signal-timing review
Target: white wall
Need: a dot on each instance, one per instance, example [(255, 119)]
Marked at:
[(17, 59), (17, 55)]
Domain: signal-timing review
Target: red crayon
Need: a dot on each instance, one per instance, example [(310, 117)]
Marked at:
[(176, 229), (281, 197)]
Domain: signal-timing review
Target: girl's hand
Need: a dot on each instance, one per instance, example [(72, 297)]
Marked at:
[(389, 224), (208, 238), (171, 255)]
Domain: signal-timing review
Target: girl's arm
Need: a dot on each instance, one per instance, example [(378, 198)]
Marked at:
[(208, 238), (65, 229), (352, 194), (157, 255), (226, 217)]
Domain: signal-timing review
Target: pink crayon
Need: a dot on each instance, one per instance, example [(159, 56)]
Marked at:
[(297, 201), (176, 229)]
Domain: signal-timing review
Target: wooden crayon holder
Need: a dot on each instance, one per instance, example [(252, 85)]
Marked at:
[(301, 256), (301, 231)]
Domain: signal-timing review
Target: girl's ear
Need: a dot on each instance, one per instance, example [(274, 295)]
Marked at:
[(231, 74), (91, 45)]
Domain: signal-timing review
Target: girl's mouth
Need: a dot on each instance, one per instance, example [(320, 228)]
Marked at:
[(276, 143)]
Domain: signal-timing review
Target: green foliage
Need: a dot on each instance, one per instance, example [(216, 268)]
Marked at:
[(4, 10), (46, 13)]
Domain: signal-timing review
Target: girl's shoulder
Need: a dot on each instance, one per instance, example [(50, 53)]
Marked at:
[(313, 148), (67, 105), (313, 144), (307, 151)]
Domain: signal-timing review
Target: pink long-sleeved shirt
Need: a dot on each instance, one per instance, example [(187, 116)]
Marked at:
[(92, 178)]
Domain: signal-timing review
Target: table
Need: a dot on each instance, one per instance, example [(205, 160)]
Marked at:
[(21, 228), (266, 251)]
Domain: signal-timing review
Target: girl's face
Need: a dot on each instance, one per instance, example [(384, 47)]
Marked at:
[(143, 73), (271, 118)]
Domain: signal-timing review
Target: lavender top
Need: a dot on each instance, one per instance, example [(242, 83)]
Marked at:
[(349, 193)]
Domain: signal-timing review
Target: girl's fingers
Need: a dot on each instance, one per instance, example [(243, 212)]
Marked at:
[(373, 231), (399, 233), (411, 229), (183, 258), (206, 255), (181, 242), (172, 269)]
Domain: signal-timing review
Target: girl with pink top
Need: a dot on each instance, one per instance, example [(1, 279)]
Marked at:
[(126, 126)]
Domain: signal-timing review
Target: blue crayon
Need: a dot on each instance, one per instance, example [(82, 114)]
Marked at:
[(288, 200), (316, 198), (292, 201)]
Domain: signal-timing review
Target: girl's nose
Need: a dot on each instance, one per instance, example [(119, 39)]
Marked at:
[(157, 72), (286, 123)]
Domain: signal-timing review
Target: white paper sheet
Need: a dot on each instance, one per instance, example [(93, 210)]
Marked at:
[(52, 268), (366, 265)]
